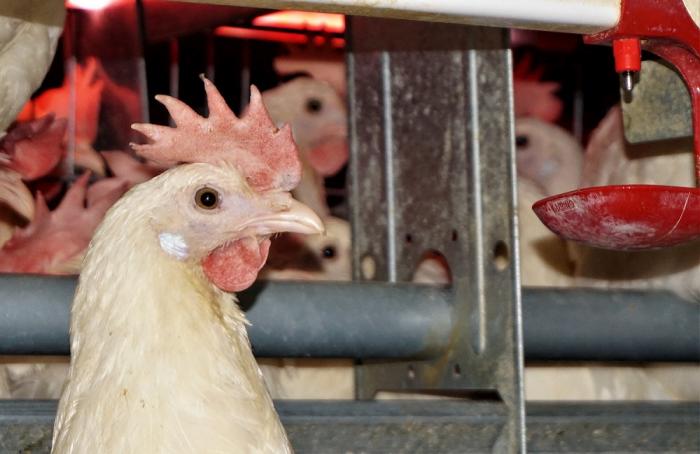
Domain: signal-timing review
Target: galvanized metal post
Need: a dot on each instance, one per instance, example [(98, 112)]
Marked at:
[(432, 170)]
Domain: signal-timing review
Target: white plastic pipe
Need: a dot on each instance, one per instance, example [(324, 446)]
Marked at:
[(574, 16)]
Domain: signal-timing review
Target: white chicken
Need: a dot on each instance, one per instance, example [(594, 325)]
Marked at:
[(609, 160), (326, 66), (313, 257), (160, 357), (318, 119), (549, 162)]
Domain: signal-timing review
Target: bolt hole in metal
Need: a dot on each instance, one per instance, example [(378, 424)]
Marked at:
[(501, 256), (409, 238), (410, 372), (368, 267), (456, 371), (455, 237)]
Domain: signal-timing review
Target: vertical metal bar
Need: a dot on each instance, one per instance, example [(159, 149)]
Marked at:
[(70, 55), (353, 175), (433, 170), (518, 336), (478, 328), (174, 71), (389, 165)]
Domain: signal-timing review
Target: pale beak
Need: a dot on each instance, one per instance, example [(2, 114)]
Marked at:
[(296, 218)]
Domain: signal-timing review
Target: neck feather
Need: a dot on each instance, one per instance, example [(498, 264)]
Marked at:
[(132, 296)]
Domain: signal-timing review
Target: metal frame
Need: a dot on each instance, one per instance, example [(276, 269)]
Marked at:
[(432, 169), (430, 427)]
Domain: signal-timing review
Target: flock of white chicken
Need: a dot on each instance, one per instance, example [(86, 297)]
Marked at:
[(36, 239), (546, 260)]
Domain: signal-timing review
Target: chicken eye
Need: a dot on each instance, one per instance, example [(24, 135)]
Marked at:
[(314, 105), (207, 198), (522, 141), (328, 252)]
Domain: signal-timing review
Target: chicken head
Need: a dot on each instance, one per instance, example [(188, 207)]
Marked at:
[(221, 209), (214, 217), (318, 118), (548, 156)]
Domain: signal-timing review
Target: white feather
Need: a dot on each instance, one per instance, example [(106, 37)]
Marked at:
[(174, 245)]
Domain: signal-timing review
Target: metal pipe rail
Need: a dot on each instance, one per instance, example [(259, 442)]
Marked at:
[(392, 321), (572, 16)]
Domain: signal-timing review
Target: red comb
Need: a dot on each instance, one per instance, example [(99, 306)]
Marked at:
[(266, 155)]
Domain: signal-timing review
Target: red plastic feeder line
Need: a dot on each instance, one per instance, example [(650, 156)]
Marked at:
[(625, 217), (628, 54), (629, 217)]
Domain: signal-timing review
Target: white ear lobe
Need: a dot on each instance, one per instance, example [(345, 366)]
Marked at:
[(174, 245)]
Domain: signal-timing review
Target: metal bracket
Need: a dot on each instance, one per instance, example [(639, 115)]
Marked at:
[(432, 169), (660, 107)]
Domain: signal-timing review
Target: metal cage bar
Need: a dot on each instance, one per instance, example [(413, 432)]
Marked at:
[(428, 427), (393, 321)]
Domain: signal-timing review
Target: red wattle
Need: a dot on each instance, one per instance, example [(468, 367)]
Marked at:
[(235, 267)]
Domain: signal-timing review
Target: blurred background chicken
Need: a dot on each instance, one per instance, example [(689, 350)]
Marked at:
[(318, 118), (324, 257), (88, 89), (548, 162), (29, 151), (610, 160)]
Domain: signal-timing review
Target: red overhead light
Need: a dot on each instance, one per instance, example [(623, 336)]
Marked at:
[(263, 35), (303, 20), (91, 5), (282, 37)]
